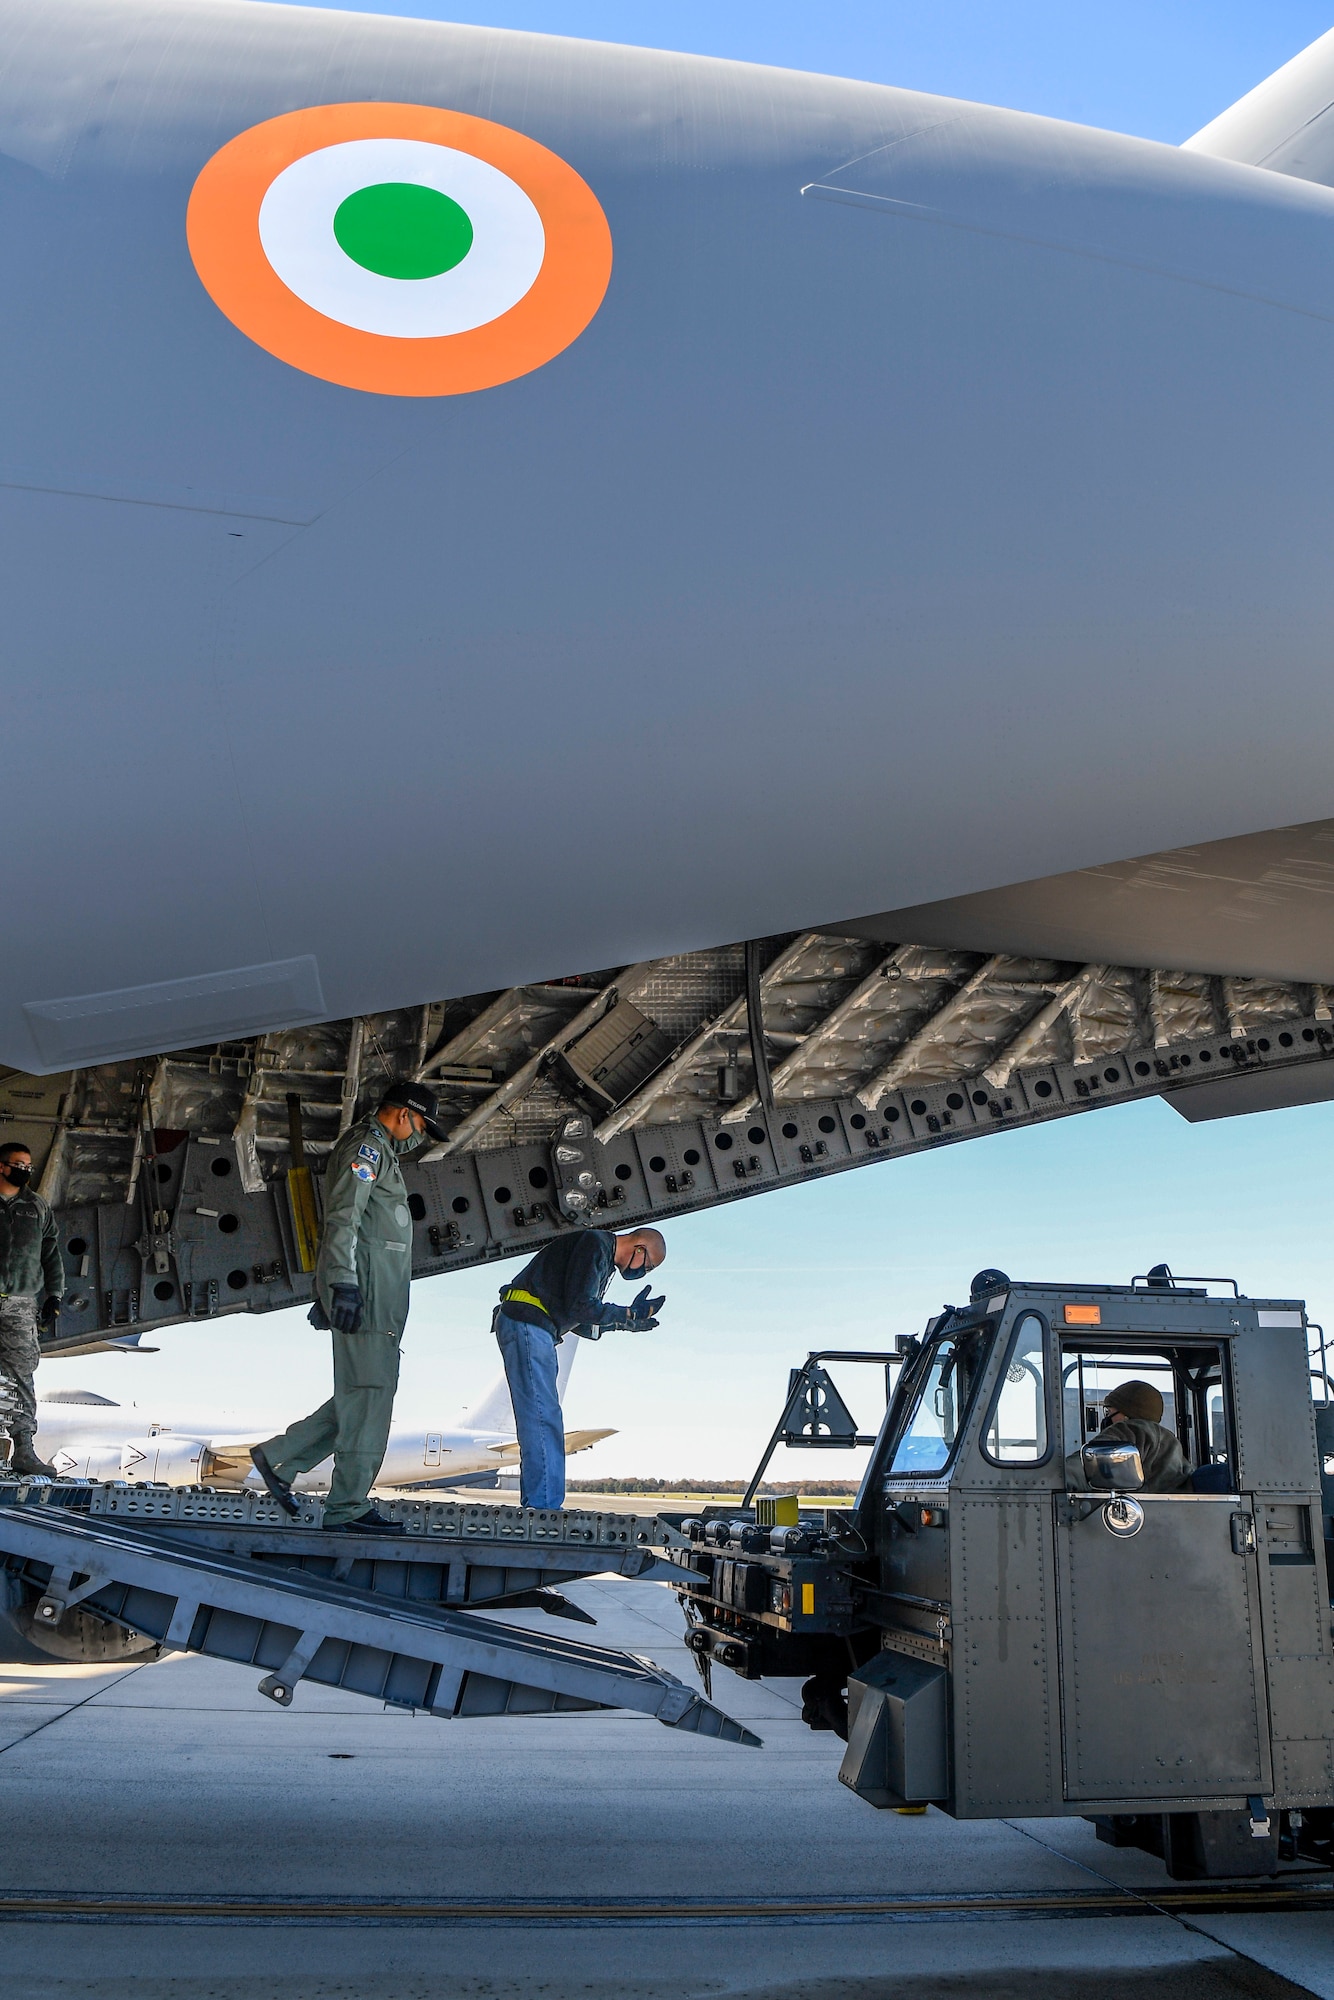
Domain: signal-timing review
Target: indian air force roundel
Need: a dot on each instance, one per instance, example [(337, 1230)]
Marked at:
[(398, 248)]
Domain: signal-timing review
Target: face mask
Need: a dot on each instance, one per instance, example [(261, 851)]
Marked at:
[(20, 1176), (408, 1145)]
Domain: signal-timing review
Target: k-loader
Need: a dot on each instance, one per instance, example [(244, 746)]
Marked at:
[(1012, 1620), (1008, 1622)]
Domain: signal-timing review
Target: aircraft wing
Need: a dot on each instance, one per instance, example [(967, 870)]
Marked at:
[(583, 1440), (574, 1441)]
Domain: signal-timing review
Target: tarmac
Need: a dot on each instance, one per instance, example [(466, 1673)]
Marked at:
[(174, 1836)]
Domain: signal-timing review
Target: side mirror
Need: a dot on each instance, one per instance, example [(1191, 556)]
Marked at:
[(1113, 1468)]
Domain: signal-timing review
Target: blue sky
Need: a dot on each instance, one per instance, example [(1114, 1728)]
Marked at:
[(863, 1256)]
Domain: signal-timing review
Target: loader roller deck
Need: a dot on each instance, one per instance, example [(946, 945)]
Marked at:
[(388, 1617), (451, 1553)]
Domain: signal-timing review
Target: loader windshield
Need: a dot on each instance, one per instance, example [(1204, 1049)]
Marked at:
[(931, 1421)]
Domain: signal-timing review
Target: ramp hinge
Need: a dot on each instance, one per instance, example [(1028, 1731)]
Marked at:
[(60, 1595)]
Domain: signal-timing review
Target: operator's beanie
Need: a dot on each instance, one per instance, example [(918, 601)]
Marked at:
[(1135, 1399)]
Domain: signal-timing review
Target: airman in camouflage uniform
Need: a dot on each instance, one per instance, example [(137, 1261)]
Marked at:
[(30, 1263)]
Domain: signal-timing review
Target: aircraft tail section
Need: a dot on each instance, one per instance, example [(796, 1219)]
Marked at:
[(494, 1412), (1286, 123)]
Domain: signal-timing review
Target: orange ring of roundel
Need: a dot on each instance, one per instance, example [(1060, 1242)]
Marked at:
[(222, 228)]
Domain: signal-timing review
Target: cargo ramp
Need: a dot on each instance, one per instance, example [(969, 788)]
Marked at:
[(237, 1587)]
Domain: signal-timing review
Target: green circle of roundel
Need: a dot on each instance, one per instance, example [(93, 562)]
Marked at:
[(400, 230)]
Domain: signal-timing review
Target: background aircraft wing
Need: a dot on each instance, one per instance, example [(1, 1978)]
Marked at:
[(574, 1441)]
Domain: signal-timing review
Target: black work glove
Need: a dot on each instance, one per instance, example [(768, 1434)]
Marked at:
[(627, 1316), (318, 1318), (49, 1313), (345, 1308), (642, 1307)]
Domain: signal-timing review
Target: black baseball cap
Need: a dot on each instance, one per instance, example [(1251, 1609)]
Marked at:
[(416, 1097)]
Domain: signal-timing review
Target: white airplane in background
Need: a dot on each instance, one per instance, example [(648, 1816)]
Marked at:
[(86, 1436)]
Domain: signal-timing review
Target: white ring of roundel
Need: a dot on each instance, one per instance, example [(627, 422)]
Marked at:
[(296, 230)]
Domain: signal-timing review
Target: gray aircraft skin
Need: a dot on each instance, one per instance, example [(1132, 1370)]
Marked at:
[(937, 500)]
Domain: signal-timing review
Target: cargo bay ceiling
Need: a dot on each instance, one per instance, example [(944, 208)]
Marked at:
[(641, 1091)]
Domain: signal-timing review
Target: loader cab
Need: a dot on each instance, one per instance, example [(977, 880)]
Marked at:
[(1019, 1384), (1025, 1412), (1088, 1646)]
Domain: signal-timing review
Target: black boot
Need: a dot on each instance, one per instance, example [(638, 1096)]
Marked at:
[(372, 1522), (25, 1463), (280, 1488)]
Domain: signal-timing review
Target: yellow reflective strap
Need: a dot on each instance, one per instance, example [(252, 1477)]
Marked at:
[(526, 1299)]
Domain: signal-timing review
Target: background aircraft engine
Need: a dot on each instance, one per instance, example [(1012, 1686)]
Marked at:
[(167, 1459), (97, 1461)]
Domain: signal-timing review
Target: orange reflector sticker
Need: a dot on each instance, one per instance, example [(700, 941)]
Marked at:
[(1083, 1315), (808, 1600)]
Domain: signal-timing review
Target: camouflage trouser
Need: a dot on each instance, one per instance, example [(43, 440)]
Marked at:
[(19, 1355)]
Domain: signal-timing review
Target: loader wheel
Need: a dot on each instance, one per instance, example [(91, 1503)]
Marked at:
[(83, 1638)]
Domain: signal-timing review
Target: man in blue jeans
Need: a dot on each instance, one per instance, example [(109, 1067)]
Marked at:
[(559, 1290)]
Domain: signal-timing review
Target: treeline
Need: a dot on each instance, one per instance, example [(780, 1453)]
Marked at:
[(770, 1488)]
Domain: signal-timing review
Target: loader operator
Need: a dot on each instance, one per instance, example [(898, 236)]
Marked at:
[(29, 1261), (362, 1283), (559, 1290), (1132, 1414)]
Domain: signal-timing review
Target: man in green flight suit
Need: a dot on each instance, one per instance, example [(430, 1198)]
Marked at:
[(362, 1282)]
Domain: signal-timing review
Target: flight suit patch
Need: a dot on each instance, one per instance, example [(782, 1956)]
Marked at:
[(362, 1171), (369, 1152)]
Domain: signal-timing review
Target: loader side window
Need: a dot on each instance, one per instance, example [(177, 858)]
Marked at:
[(1190, 1376), (1016, 1432), (1087, 1375), (947, 1375)]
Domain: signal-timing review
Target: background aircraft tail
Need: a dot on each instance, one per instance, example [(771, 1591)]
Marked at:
[(493, 1412)]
